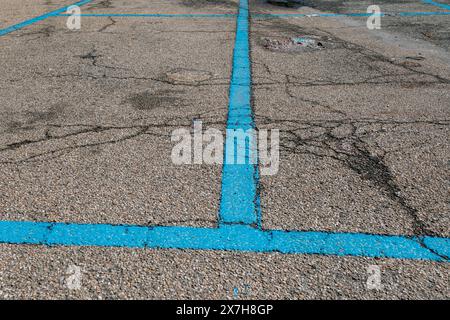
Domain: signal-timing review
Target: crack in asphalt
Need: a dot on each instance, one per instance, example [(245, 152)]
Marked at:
[(106, 26), (368, 57), (149, 128), (104, 4), (208, 83), (91, 55), (422, 243), (44, 32), (319, 138)]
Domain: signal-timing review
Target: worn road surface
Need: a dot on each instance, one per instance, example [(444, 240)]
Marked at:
[(92, 205)]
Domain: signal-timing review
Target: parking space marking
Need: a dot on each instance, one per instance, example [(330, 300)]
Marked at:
[(230, 238), (155, 15), (60, 12), (31, 21), (239, 215), (353, 14), (239, 196)]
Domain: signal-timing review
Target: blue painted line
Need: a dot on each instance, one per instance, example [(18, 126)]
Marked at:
[(325, 15), (303, 15), (258, 15), (239, 202), (442, 245), (157, 15), (437, 4), (232, 237), (404, 14), (26, 23)]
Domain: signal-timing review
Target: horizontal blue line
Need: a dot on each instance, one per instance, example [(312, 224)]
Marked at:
[(261, 15), (156, 15), (423, 13), (230, 238), (26, 23), (382, 14)]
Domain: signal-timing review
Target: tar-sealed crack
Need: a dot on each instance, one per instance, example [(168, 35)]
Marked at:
[(44, 32), (422, 243), (161, 79), (106, 26), (345, 141), (91, 56), (148, 126)]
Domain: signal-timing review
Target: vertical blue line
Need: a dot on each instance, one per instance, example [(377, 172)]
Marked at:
[(239, 198), (28, 22)]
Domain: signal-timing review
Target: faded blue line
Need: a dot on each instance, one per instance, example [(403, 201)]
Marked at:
[(436, 4), (232, 237), (157, 15), (261, 15), (26, 23), (239, 202), (324, 15), (423, 14)]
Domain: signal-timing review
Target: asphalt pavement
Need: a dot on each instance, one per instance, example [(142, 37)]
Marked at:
[(92, 205)]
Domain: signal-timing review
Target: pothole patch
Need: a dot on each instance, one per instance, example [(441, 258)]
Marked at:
[(187, 76), (296, 44)]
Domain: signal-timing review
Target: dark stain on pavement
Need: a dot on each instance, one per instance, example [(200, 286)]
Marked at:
[(148, 100), (16, 126), (52, 113), (34, 117)]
